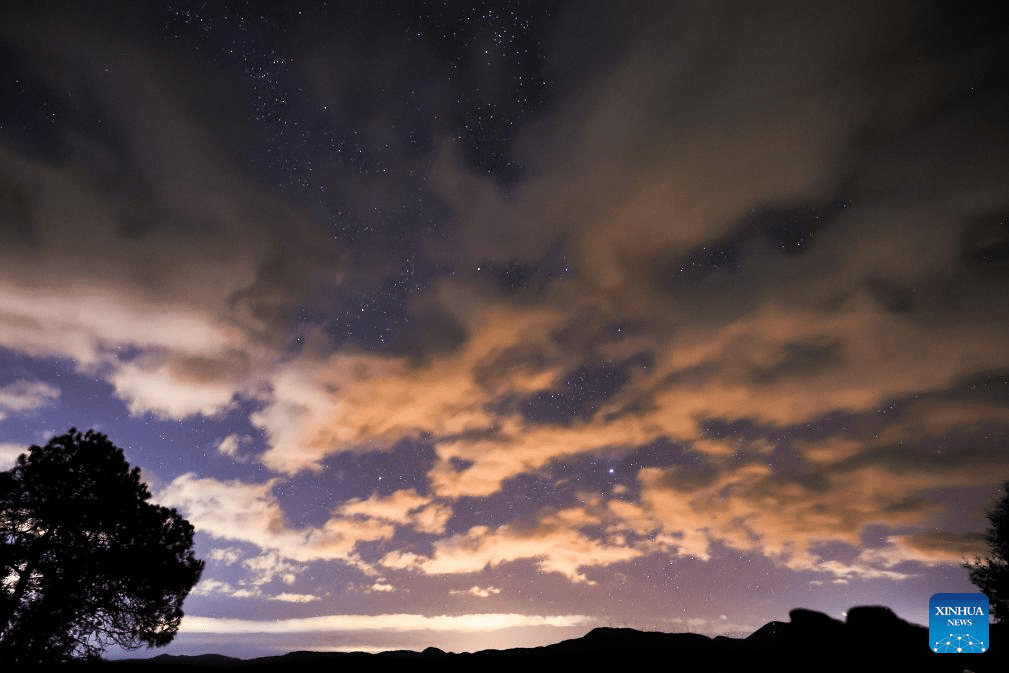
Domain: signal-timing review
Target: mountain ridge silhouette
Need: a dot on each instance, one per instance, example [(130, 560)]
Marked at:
[(872, 638)]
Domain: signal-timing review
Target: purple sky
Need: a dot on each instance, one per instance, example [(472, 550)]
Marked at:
[(483, 324)]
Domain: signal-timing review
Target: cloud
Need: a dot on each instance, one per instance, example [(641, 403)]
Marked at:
[(156, 386), (928, 547), (268, 567), (351, 400), (208, 587), (730, 498), (695, 106), (189, 351), (24, 395), (229, 445), (748, 507), (465, 399), (479, 622), (294, 598), (404, 507), (480, 592), (846, 318), (936, 417), (225, 555), (250, 513), (141, 254), (711, 138), (778, 221), (245, 512), (9, 454), (212, 587), (554, 543)]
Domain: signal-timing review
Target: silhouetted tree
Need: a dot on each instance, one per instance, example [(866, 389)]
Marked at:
[(86, 560), (991, 575)]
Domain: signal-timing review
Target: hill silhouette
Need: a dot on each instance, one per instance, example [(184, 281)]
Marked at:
[(872, 638)]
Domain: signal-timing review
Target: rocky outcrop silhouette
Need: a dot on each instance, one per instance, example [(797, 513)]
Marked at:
[(872, 638)]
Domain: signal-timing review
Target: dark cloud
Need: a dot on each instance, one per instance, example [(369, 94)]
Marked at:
[(515, 359), (798, 360), (963, 450), (969, 545)]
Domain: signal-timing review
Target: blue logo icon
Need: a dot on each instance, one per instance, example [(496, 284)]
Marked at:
[(958, 623)]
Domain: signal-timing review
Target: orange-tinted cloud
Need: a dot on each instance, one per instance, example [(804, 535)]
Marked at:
[(554, 542), (164, 272)]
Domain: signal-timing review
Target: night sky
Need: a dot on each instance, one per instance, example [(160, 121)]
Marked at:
[(483, 324)]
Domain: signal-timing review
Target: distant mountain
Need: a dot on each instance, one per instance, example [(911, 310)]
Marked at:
[(871, 639)]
